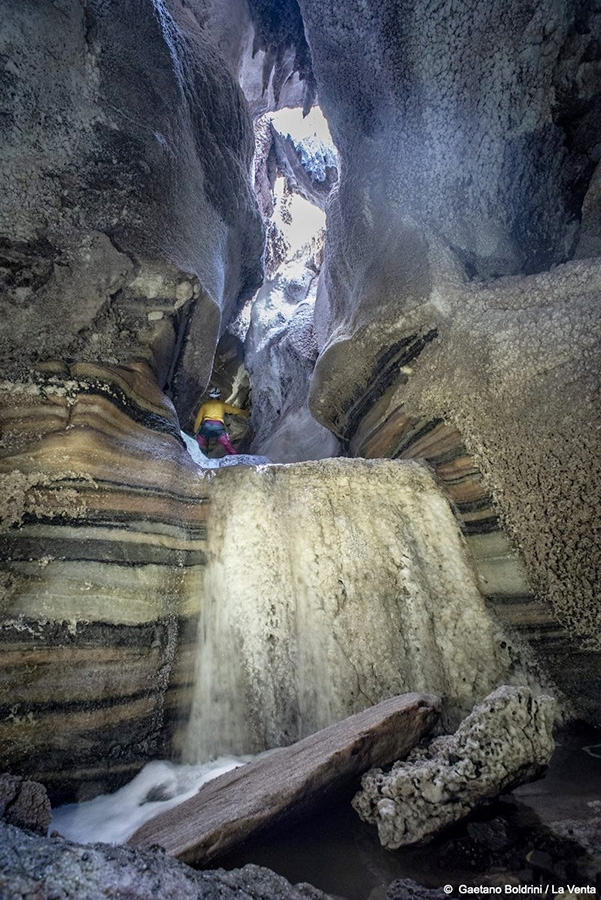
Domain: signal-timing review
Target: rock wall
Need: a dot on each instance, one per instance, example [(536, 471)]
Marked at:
[(479, 125), (128, 227), (280, 345), (105, 521), (513, 370), (464, 167), (128, 235), (102, 536), (280, 354)]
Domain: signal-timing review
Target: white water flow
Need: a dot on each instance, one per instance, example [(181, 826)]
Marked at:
[(113, 818), (329, 586)]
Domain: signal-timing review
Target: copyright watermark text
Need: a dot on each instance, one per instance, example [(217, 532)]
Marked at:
[(549, 890)]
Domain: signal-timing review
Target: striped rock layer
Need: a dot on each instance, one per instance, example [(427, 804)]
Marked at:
[(389, 431), (102, 536)]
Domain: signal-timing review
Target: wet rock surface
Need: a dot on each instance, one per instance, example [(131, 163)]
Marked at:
[(532, 853), (506, 741), (343, 588), (345, 857)]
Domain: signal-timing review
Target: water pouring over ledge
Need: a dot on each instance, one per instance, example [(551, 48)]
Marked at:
[(329, 586)]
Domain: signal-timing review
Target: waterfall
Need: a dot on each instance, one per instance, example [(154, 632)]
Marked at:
[(329, 586)]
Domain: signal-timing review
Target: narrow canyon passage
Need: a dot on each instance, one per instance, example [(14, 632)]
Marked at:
[(374, 229)]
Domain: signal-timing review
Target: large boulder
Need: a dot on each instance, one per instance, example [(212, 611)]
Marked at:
[(507, 740), (24, 804), (235, 805)]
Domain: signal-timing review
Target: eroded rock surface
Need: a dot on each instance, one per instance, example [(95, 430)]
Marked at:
[(506, 741), (32, 866), (445, 189), (24, 804), (295, 169), (128, 224), (512, 368), (103, 533), (105, 521)]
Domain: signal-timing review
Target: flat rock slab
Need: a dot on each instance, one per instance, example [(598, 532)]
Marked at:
[(237, 804)]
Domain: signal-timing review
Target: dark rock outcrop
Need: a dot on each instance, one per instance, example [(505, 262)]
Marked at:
[(31, 866), (24, 804), (406, 889)]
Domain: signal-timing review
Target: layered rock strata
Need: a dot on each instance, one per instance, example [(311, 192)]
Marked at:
[(103, 536), (506, 741), (310, 608)]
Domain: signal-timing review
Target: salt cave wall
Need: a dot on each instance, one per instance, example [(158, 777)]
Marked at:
[(468, 136), (102, 535), (128, 233), (128, 223)]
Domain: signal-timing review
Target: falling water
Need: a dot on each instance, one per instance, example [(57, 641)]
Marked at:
[(329, 586)]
